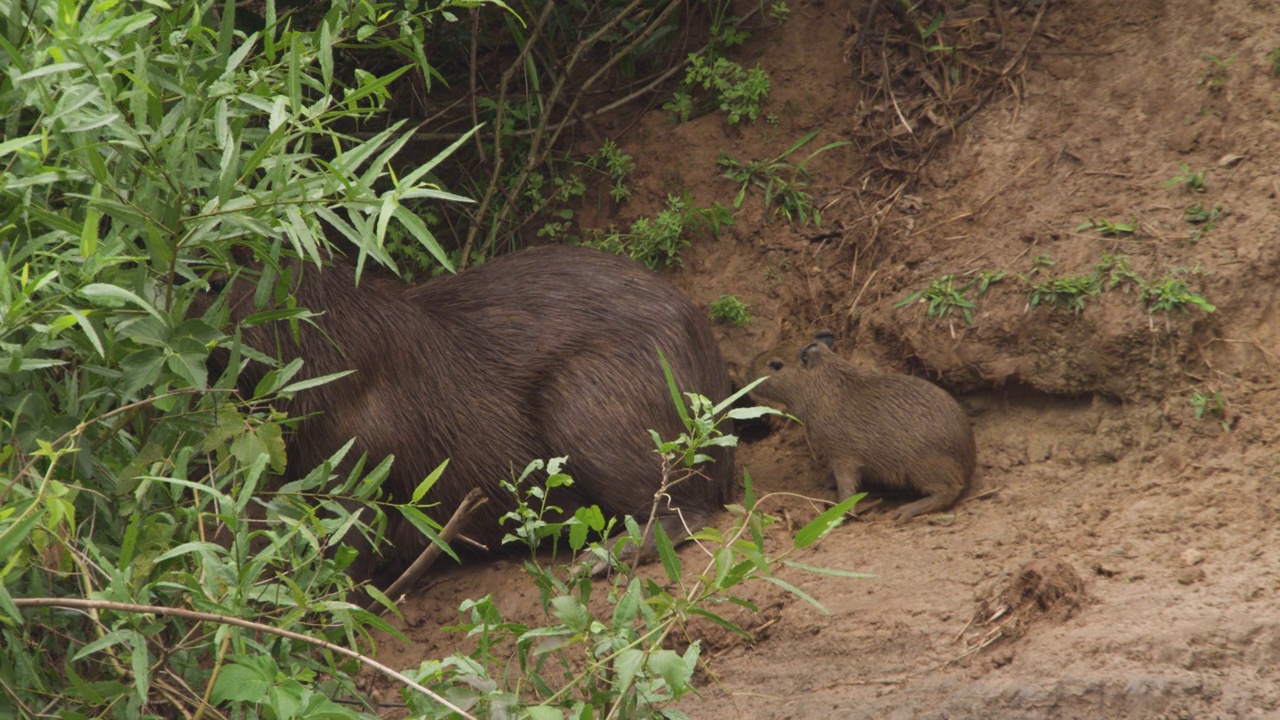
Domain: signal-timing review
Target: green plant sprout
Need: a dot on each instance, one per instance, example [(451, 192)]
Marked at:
[(1205, 219), (1106, 228), (1069, 292), (1215, 75), (782, 182), (1117, 270), (1210, 406), (1171, 293), (941, 298), (738, 92), (1192, 180), (611, 161), (1198, 214), (728, 309), (658, 242)]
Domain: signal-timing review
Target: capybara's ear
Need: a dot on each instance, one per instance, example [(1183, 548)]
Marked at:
[(812, 354), (826, 337)]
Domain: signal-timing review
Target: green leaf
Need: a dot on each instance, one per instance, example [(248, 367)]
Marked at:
[(722, 622), (314, 382), (423, 235), (89, 230), (624, 613), (671, 666), (11, 146), (667, 553), (626, 665), (587, 519), (16, 534), (571, 612), (675, 391), (111, 639), (827, 571), (141, 665), (112, 295), (429, 481), (797, 592), (239, 683), (542, 712), (141, 368), (428, 527), (6, 600), (832, 518)]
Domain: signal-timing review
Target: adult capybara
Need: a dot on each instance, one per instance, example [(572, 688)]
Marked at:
[(895, 431), (545, 352)]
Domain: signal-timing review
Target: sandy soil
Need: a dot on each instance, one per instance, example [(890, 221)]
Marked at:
[(1154, 529)]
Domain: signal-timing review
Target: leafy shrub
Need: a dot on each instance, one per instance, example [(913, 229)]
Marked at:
[(658, 241), (730, 310), (143, 143)]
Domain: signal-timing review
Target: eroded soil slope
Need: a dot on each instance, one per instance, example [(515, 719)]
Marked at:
[(1117, 557)]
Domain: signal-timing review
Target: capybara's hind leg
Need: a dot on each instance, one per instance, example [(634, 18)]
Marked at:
[(940, 480)]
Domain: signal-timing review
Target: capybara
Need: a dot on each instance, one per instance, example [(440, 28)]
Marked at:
[(545, 352), (895, 431)]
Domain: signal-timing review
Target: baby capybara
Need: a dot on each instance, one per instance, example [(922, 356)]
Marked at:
[(895, 431), (541, 353)]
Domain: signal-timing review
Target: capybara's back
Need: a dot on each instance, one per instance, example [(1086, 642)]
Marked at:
[(546, 352), (896, 431)]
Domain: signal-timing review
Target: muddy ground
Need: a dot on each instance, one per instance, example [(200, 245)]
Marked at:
[(1155, 528)]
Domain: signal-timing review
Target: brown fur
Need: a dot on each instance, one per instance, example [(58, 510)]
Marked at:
[(895, 431), (546, 352)]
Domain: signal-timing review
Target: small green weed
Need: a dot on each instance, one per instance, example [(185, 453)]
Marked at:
[(946, 294), (1106, 228), (610, 161), (1273, 58), (1190, 179), (547, 196), (1116, 270), (1041, 261), (680, 105), (1210, 406), (1198, 214), (779, 11), (926, 32), (657, 242), (738, 92), (773, 273), (1214, 75), (1069, 292), (1203, 218), (782, 182), (728, 309), (942, 297), (1171, 293)]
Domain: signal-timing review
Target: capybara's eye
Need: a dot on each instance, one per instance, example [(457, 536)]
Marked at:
[(775, 365)]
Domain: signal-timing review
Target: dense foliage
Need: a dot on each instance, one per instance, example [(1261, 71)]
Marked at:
[(148, 564), (142, 144)]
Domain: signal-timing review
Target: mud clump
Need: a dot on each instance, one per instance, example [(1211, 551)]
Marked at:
[(1047, 588), (894, 431)]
